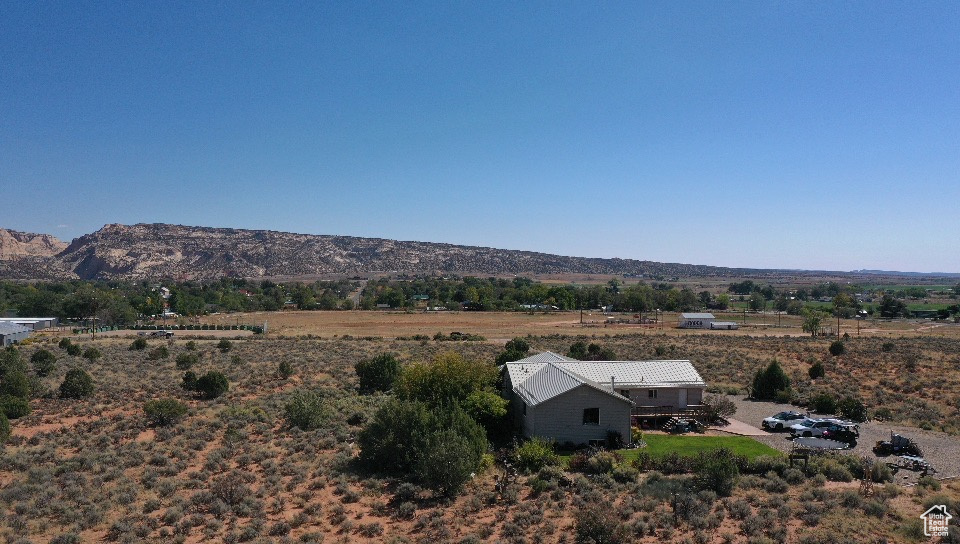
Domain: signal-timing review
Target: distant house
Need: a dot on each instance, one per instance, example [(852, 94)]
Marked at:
[(12, 333), (696, 320), (32, 323), (566, 400)]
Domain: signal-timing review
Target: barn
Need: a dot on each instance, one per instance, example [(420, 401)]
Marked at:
[(575, 401), (696, 320), (12, 333)]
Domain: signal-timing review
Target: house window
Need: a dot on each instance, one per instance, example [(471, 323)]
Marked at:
[(625, 393), (652, 393), (591, 416)]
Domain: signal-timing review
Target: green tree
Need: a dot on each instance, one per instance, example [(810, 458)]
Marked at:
[(837, 348), (767, 382), (811, 321), (285, 369), (448, 379), (16, 384), (14, 407), (212, 384), (718, 472), (816, 371), (186, 361), (379, 373), (164, 412), (891, 307), (224, 345), (139, 344), (44, 362), (514, 350), (92, 354), (76, 384), (4, 429)]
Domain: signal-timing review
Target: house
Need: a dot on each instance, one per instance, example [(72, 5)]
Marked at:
[(33, 323), (696, 320), (566, 400), (12, 333)]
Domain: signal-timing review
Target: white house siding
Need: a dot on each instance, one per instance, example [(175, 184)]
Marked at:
[(561, 418)]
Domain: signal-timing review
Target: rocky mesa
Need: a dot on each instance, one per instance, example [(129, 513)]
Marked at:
[(143, 251)]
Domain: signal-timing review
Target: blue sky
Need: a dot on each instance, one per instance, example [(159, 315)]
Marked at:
[(816, 135)]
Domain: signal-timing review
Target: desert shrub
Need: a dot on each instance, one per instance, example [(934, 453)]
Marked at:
[(186, 361), (378, 373), (159, 352), (447, 379), (189, 381), (191, 345), (824, 403), (224, 345), (212, 384), (837, 348), (852, 409), (489, 410), (15, 384), (164, 412), (307, 410), (718, 472), (768, 381), (596, 523), (285, 369), (73, 350), (139, 344), (887, 347), (4, 428), (92, 354), (929, 482), (603, 462), (14, 407), (44, 362), (76, 384), (718, 406), (63, 343), (817, 371), (534, 454)]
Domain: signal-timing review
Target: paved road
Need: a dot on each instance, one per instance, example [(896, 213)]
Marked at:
[(940, 449)]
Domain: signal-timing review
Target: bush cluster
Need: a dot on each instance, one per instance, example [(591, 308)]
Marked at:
[(76, 384), (163, 412)]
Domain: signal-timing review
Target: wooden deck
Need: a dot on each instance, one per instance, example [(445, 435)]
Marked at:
[(653, 414)]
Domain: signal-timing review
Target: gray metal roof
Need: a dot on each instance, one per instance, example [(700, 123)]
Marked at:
[(638, 373), (696, 315), (12, 328), (538, 381), (545, 357)]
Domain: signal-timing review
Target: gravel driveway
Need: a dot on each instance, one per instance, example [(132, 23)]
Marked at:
[(940, 450)]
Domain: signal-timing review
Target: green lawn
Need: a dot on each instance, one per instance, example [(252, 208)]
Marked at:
[(659, 445)]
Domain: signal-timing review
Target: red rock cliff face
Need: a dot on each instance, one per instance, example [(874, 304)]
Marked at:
[(16, 245)]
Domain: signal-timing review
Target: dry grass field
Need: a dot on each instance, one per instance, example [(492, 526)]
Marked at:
[(502, 326), (233, 470)]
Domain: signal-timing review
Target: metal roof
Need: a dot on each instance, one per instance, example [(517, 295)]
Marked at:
[(537, 381), (12, 328), (545, 357), (696, 315), (638, 373)]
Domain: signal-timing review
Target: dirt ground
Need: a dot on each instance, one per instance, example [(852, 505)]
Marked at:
[(501, 326)]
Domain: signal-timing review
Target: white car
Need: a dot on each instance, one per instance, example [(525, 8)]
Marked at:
[(781, 421)]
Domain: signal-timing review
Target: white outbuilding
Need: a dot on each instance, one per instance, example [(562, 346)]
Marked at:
[(12, 333), (696, 320)]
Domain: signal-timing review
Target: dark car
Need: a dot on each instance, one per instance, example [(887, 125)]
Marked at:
[(847, 434)]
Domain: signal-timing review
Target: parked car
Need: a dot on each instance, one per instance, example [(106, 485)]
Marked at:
[(847, 434), (783, 420), (811, 427)]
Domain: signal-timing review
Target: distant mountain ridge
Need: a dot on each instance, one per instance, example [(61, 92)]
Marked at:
[(147, 251), (153, 251)]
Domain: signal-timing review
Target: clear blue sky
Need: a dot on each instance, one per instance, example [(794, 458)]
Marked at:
[(817, 135)]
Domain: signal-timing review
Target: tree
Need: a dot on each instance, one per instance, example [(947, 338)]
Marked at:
[(139, 344), (186, 361), (76, 384), (224, 345), (718, 472), (514, 350), (718, 406), (14, 407), (92, 354), (767, 382), (439, 447), (212, 384), (4, 429), (891, 307), (448, 379), (816, 371), (285, 369), (16, 384), (578, 350), (837, 348), (44, 362), (379, 373), (853, 409), (163, 412), (811, 321)]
